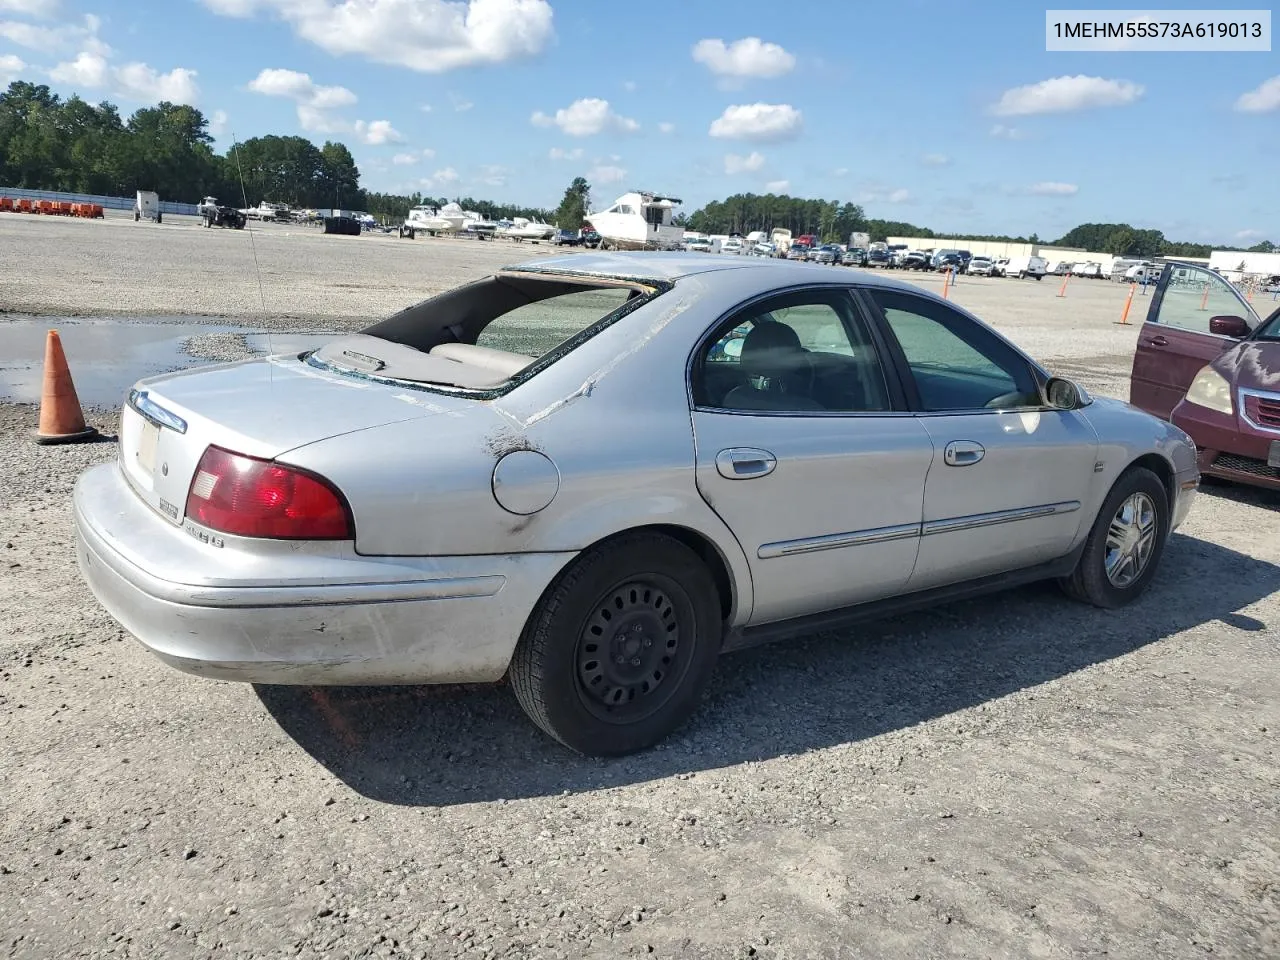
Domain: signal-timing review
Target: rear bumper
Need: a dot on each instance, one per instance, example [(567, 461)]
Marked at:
[(273, 612), (1226, 450)]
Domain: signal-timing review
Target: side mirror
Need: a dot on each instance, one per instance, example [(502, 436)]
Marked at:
[(1063, 394), (1229, 326)]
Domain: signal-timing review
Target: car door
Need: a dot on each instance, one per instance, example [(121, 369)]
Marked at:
[(804, 450), (1175, 340), (1009, 474)]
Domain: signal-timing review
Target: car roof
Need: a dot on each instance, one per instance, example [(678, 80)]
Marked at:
[(672, 266)]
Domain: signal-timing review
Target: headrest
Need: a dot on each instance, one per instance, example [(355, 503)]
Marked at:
[(772, 349)]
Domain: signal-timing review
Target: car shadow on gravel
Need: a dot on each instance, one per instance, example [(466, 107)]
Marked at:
[(442, 745)]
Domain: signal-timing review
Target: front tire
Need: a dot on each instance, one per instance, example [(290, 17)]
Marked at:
[(617, 653), (1125, 545)]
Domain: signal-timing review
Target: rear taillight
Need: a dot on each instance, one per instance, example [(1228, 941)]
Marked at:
[(248, 497)]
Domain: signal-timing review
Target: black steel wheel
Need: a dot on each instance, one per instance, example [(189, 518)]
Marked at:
[(621, 645), (629, 653)]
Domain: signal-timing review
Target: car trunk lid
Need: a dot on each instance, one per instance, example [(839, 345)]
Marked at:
[(261, 408)]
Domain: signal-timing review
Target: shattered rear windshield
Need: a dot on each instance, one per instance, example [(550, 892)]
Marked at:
[(537, 328), (487, 336)]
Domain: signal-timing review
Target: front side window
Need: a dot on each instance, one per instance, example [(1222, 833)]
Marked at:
[(804, 352), (956, 364), (1193, 296)]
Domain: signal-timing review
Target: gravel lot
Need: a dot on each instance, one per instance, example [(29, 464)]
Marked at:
[(1013, 777)]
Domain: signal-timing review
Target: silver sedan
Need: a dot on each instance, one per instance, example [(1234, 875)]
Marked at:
[(593, 474)]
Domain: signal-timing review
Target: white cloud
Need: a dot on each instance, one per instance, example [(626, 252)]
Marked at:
[(585, 118), (404, 159), (882, 194), (441, 178), (606, 174), (734, 164), (133, 81), (30, 8), (1064, 94), (300, 87), (428, 152), (665, 127), (493, 175), (1007, 133), (11, 68), (1052, 188), (935, 160), (749, 57), (629, 86), (430, 36), (426, 108), (558, 154), (758, 121), (377, 133), (219, 123), (141, 82), (1263, 100), (460, 105), (59, 39), (86, 70), (316, 105), (777, 186), (1250, 235), (840, 172)]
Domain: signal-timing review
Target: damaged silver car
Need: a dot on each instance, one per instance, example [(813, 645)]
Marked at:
[(592, 474)]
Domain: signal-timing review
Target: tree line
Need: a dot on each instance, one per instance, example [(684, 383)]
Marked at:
[(73, 146), (47, 143)]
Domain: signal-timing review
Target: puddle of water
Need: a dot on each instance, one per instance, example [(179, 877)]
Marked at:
[(106, 356)]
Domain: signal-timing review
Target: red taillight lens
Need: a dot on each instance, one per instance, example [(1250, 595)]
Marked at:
[(249, 497)]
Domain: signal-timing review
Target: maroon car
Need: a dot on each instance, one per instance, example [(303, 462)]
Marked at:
[(1208, 363)]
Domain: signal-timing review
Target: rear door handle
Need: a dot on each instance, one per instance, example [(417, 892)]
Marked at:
[(745, 463), (962, 453), (1158, 341)]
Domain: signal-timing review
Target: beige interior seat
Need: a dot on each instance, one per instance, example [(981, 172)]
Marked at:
[(496, 361)]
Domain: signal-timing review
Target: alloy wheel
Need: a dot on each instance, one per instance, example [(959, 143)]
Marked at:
[(1131, 540)]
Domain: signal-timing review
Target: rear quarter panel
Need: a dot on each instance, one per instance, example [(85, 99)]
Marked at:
[(613, 416)]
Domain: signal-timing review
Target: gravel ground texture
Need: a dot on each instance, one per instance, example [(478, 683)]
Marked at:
[(1018, 776)]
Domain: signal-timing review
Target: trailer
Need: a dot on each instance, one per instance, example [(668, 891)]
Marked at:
[(147, 205)]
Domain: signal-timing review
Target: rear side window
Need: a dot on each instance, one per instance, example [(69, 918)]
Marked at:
[(803, 352)]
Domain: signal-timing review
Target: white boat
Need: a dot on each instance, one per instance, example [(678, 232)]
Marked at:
[(478, 226), (638, 221), (448, 219), (522, 228)]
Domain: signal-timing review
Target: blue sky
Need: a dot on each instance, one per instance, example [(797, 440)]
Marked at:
[(949, 116)]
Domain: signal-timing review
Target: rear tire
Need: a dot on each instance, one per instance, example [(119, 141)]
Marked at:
[(1125, 545), (617, 653)]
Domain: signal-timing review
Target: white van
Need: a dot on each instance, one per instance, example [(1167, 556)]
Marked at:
[(1026, 267)]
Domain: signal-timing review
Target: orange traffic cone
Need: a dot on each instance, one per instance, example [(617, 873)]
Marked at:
[(61, 419)]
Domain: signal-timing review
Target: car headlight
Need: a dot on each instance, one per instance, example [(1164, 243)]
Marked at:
[(1210, 389)]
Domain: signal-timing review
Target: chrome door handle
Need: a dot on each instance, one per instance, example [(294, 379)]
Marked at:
[(744, 463), (961, 453), (1158, 341)]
